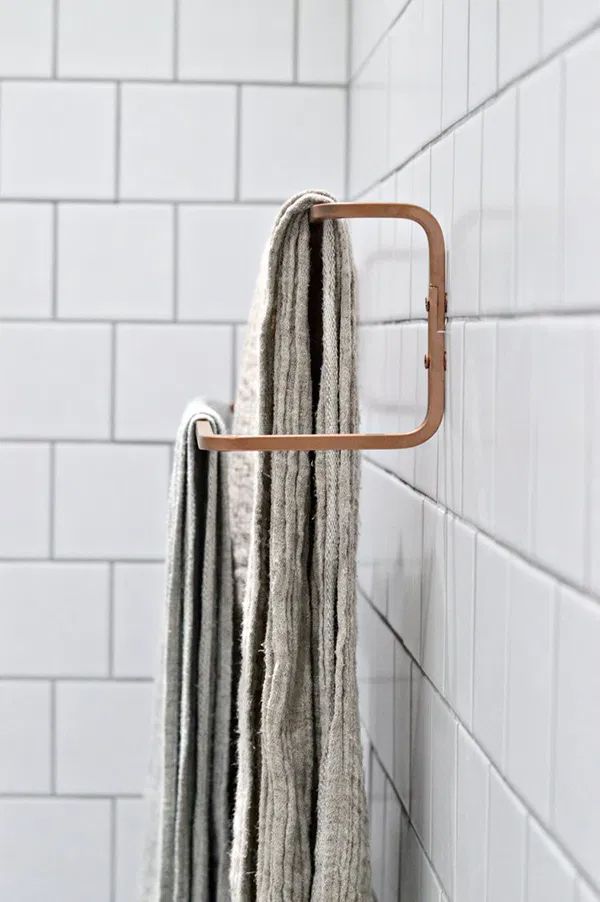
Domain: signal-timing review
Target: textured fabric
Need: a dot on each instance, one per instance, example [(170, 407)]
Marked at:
[(187, 854), (300, 824)]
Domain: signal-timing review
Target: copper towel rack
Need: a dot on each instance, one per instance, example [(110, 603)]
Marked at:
[(435, 359)]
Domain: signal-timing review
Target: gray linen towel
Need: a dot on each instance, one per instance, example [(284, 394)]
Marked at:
[(187, 853), (300, 823)]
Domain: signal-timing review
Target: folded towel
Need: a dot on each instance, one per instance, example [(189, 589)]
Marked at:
[(187, 854), (300, 824)]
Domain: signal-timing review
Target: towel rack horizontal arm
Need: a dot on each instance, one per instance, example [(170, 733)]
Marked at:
[(435, 359)]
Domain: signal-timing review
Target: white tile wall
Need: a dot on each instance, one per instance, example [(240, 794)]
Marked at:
[(129, 133), (57, 140), (506, 534)]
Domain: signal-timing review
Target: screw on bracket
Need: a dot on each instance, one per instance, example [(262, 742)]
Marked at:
[(427, 361), (427, 304)]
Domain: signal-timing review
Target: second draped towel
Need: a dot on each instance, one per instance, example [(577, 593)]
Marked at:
[(300, 823)]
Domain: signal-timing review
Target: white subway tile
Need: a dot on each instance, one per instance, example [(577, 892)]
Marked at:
[(26, 38), (455, 76), (57, 140), (280, 123), (236, 41), (482, 50), (67, 393), (471, 821), (559, 423), (460, 590), (393, 844), (433, 597), (111, 501), (115, 261), (518, 37), (420, 194), (513, 458), (132, 815), (593, 440), (55, 849), (463, 290), (406, 374), (367, 249), (377, 826), (370, 21), (26, 260), (380, 687), (54, 619), (507, 844), (539, 216), (498, 206), (111, 39), (530, 675), (562, 21), (443, 794), (450, 475), (442, 181), (199, 359), (576, 816), (138, 605), (178, 142), (421, 758), (394, 253), (219, 253), (418, 880), (402, 695), (480, 434), (582, 172), (378, 552), (25, 746), (323, 40), (102, 737), (404, 606), (426, 455), (490, 666), (550, 877), (369, 121), (25, 493)]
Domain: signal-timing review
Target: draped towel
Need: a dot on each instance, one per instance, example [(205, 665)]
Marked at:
[(300, 823), (187, 853)]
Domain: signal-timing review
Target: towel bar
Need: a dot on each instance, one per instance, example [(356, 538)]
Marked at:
[(435, 359)]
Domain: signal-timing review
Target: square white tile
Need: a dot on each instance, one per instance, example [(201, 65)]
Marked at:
[(178, 142), (279, 124), (25, 493), (111, 501), (115, 261), (57, 140), (149, 403), (54, 619), (55, 849), (67, 393), (26, 260), (103, 735)]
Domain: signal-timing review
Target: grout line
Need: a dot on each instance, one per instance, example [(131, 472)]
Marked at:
[(113, 850), (554, 633), (382, 37), (86, 796), (95, 321), (51, 499), (54, 252), (113, 381), (65, 559), (69, 678), (117, 143), (175, 47), (295, 40), (141, 201), (546, 828), (486, 862), (111, 620), (55, 42), (170, 83)]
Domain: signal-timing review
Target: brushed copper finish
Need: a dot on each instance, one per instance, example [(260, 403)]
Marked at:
[(435, 359)]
